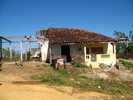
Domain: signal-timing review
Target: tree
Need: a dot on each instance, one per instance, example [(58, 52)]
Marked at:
[(121, 47), (130, 36), (6, 54), (119, 34)]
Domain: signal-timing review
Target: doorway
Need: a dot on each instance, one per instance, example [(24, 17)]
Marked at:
[(65, 50)]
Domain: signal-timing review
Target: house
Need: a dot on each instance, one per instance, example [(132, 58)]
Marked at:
[(96, 48)]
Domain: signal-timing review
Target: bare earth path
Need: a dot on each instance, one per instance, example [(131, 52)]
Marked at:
[(10, 91)]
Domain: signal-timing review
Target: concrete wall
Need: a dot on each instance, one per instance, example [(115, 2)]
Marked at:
[(56, 49), (44, 50), (74, 49)]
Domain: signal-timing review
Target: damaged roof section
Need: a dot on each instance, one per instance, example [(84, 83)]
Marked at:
[(74, 35)]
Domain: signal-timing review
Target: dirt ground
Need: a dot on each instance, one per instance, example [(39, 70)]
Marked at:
[(12, 72)]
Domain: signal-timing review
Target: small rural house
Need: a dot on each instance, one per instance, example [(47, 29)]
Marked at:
[(95, 48)]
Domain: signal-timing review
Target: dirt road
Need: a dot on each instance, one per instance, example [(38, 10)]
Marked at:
[(10, 91)]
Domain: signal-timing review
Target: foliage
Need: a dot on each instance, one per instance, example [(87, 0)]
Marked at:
[(130, 36), (123, 47), (6, 54), (79, 64), (119, 34), (127, 64), (83, 84), (78, 61), (42, 32), (15, 54), (130, 48)]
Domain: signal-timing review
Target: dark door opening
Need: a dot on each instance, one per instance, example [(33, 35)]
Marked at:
[(65, 50), (97, 50)]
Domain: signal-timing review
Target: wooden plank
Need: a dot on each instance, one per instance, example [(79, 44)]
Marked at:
[(19, 36), (35, 40), (4, 39)]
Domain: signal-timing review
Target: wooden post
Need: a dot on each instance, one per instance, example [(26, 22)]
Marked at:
[(0, 49), (85, 52), (25, 50), (21, 55), (50, 58), (10, 51), (30, 50), (127, 44)]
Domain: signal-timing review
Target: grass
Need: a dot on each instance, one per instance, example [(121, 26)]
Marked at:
[(53, 80), (65, 78), (127, 64)]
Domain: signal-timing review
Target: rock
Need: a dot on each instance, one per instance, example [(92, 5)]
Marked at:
[(99, 87), (93, 76), (103, 75), (103, 66)]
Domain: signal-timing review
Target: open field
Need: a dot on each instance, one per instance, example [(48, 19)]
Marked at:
[(39, 81)]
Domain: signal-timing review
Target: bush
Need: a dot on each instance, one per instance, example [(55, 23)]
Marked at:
[(78, 61), (127, 64), (79, 64)]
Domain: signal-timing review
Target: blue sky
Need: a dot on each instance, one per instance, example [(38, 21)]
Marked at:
[(23, 17)]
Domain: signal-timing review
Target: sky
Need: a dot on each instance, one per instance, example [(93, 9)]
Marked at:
[(23, 17)]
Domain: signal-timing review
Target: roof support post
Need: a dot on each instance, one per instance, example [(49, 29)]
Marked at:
[(85, 52), (30, 50), (10, 51), (21, 55), (25, 50), (0, 49), (50, 58)]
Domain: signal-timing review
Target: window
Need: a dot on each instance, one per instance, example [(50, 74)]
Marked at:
[(105, 56)]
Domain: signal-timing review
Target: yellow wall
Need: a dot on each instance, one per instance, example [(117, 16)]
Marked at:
[(107, 50), (100, 59)]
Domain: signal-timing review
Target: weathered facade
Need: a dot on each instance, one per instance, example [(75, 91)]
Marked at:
[(96, 48)]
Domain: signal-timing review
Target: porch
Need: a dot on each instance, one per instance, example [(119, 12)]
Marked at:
[(99, 53), (91, 53)]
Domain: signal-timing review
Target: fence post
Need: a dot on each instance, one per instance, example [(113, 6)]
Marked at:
[(21, 55), (25, 50), (10, 51)]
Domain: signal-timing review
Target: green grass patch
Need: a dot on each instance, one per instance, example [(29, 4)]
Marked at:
[(53, 80), (65, 78), (63, 73), (127, 64)]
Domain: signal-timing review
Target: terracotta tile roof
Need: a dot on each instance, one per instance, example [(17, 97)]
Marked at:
[(74, 35)]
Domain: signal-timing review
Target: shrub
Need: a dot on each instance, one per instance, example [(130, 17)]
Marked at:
[(127, 64)]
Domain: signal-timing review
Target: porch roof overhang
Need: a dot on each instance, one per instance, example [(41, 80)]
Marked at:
[(67, 43)]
